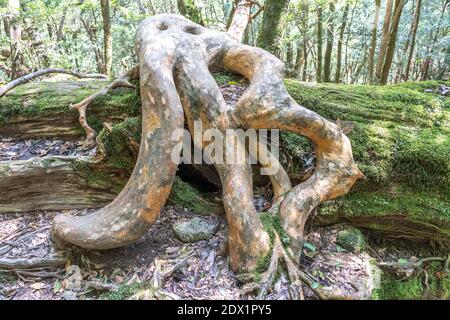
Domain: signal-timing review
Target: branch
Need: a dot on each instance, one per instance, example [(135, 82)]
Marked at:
[(81, 107), (40, 73), (32, 263)]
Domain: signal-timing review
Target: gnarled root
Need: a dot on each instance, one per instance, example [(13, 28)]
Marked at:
[(296, 276), (176, 56)]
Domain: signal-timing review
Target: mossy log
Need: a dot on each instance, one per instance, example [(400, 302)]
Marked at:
[(400, 141), (59, 183)]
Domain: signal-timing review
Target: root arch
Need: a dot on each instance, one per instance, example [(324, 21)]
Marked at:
[(176, 57)]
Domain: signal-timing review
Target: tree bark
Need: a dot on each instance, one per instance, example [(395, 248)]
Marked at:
[(107, 38), (398, 9), (373, 42), (337, 78), (384, 39), (329, 47), (269, 30)]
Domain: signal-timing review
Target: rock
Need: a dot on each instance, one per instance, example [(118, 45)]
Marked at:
[(195, 229), (351, 240)]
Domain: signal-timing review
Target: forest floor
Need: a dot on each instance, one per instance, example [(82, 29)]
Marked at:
[(206, 275), (123, 272)]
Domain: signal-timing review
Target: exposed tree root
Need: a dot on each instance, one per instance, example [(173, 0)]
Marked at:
[(176, 57), (295, 274), (159, 277), (40, 73)]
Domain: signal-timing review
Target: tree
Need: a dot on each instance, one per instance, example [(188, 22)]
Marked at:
[(268, 33), (15, 36), (175, 59), (412, 45), (107, 37), (384, 39), (337, 78), (188, 9), (392, 41), (373, 42), (329, 47), (319, 43)]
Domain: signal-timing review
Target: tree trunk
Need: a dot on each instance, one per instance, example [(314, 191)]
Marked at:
[(319, 43), (373, 42), (398, 9), (188, 9), (329, 47), (384, 39), (15, 36), (107, 37), (305, 24), (337, 78), (413, 39), (176, 85), (268, 33)]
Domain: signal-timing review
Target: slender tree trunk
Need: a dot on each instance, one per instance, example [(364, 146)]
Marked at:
[(305, 26), (337, 78), (385, 38), (299, 60), (268, 33), (413, 39), (92, 34), (319, 43), (107, 37), (373, 43), (398, 9), (329, 48), (15, 36)]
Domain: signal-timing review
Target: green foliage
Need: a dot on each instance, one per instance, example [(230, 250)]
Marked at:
[(414, 288), (124, 292)]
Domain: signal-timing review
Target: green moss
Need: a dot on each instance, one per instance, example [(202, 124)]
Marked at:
[(223, 78), (41, 99), (400, 142), (413, 288), (6, 278), (186, 196), (124, 292), (352, 240), (271, 224), (116, 142)]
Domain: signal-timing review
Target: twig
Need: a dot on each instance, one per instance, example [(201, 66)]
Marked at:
[(411, 264)]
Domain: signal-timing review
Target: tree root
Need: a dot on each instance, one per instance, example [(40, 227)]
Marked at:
[(8, 87), (159, 277), (176, 57), (295, 274)]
